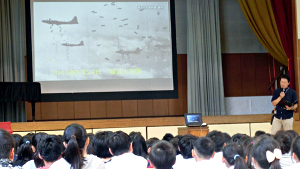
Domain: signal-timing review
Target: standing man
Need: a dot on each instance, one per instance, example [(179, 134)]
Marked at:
[(284, 115)]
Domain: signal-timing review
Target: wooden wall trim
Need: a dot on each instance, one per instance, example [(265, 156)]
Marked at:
[(137, 122)]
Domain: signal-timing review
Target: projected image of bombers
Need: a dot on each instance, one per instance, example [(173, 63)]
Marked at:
[(55, 22), (72, 45), (127, 52)]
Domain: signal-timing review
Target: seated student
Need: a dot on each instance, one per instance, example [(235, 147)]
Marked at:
[(17, 138), (203, 151), (139, 146), (100, 148), (234, 157), (6, 150), (120, 146), (295, 153), (266, 153), (162, 155), (167, 137), (25, 152), (75, 154), (89, 149), (285, 141), (218, 138), (150, 142), (185, 146), (49, 148)]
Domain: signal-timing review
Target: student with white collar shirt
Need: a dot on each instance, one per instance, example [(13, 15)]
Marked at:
[(218, 138), (295, 153), (203, 151), (120, 146), (234, 157)]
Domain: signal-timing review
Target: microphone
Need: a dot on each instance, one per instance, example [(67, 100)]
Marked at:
[(283, 89)]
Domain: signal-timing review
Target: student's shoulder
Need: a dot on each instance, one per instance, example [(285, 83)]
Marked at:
[(61, 163)]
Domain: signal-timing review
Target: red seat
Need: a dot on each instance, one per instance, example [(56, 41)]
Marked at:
[(6, 126)]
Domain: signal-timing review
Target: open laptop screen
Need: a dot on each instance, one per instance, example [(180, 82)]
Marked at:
[(193, 119)]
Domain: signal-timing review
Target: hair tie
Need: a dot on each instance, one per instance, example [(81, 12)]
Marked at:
[(271, 156), (236, 156), (27, 142), (73, 136)]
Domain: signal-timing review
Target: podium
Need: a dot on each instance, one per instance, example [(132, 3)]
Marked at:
[(196, 131)]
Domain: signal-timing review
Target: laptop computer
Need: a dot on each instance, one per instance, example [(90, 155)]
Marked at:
[(193, 119)]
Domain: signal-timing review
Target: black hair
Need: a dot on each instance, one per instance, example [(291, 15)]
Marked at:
[(35, 139), (100, 147), (296, 147), (168, 137), (246, 143), (227, 138), (186, 145), (61, 137), (234, 155), (285, 141), (285, 76), (263, 144), (139, 146), (25, 152), (204, 147), (218, 138), (89, 148), (50, 148), (162, 155), (151, 141), (75, 137), (259, 132), (6, 144), (293, 133), (17, 138), (242, 139), (236, 137), (119, 143), (174, 141), (248, 152)]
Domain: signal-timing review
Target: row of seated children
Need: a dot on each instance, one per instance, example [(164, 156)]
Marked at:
[(78, 150)]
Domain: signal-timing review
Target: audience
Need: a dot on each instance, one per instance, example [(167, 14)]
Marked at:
[(174, 141), (185, 146), (150, 142), (49, 148), (17, 138), (100, 148), (25, 152), (266, 153), (219, 141), (234, 157), (6, 150), (285, 141), (162, 155), (168, 137), (120, 146), (227, 138), (139, 146), (75, 154), (89, 149), (295, 153)]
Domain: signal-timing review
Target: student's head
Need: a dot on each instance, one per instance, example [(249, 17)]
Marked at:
[(17, 138), (7, 145), (139, 146), (227, 138), (50, 148), (284, 81), (168, 137), (259, 132), (119, 143), (248, 153), (75, 141), (266, 146), (100, 148), (89, 148), (296, 149), (285, 140), (236, 137), (150, 142), (25, 152), (242, 139), (218, 138), (293, 133), (35, 140), (174, 141), (185, 145), (162, 155), (203, 148), (233, 155)]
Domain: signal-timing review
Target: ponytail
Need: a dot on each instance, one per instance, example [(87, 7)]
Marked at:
[(275, 164), (25, 154), (37, 161), (239, 163), (73, 154)]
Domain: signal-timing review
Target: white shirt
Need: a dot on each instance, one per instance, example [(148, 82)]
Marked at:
[(29, 165), (182, 163), (127, 161), (90, 162), (218, 159), (207, 164), (294, 166), (286, 160)]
